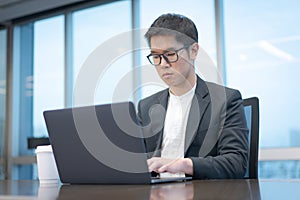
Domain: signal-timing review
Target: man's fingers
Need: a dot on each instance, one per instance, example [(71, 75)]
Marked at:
[(153, 164), (171, 167), (161, 165), (151, 168), (152, 160), (162, 169)]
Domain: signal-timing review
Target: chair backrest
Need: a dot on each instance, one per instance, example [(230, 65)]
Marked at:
[(251, 106)]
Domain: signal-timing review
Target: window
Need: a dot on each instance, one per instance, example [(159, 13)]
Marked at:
[(48, 74), (262, 54), (39, 71), (38, 75), (96, 30)]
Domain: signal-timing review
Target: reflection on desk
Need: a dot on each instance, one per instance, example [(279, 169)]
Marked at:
[(197, 189)]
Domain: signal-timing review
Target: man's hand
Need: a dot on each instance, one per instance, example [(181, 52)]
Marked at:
[(180, 165)]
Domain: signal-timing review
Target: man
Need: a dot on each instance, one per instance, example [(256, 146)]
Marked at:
[(193, 128)]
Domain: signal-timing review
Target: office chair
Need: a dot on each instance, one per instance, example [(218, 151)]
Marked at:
[(251, 107)]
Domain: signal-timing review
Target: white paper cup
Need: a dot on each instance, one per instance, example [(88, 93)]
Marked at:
[(48, 191), (47, 171)]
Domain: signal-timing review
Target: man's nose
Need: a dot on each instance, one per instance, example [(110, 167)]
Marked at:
[(164, 62)]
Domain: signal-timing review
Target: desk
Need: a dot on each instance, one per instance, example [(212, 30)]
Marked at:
[(197, 189)]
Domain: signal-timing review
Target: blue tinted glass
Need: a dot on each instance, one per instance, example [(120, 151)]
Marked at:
[(263, 58), (93, 28), (48, 76), (279, 169)]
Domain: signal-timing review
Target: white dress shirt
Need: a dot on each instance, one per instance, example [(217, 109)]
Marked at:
[(175, 127)]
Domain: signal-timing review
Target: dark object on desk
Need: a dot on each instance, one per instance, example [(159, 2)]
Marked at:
[(100, 144), (32, 143), (251, 106)]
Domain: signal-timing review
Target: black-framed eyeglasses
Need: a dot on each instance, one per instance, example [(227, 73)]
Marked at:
[(170, 56)]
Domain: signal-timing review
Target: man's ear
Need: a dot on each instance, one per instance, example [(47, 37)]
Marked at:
[(194, 48)]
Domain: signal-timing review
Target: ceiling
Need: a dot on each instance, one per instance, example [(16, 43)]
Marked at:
[(8, 3), (12, 9)]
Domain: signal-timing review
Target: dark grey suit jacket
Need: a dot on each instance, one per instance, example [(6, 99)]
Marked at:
[(216, 137)]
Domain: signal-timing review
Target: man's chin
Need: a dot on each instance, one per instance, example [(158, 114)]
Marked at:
[(170, 82)]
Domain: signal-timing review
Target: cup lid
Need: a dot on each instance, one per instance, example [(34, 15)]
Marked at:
[(43, 148)]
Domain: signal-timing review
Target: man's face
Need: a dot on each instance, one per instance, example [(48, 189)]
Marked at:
[(176, 73)]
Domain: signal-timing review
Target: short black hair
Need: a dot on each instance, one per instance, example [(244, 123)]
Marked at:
[(181, 27)]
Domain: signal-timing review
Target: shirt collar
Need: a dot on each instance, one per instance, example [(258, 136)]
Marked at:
[(185, 96)]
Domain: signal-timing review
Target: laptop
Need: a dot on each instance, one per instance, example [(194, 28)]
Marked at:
[(100, 144)]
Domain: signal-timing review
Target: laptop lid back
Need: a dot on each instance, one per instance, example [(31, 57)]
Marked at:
[(98, 144)]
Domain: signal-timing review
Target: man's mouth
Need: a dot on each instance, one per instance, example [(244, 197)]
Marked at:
[(167, 75)]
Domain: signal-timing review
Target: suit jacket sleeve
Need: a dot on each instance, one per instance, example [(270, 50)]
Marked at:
[(231, 150)]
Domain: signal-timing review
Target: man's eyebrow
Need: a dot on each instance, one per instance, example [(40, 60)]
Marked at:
[(164, 51), (153, 51)]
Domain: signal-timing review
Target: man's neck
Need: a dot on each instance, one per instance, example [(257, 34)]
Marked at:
[(184, 88)]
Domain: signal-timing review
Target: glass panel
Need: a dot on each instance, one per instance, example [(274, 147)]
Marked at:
[(96, 28), (263, 51), (2, 97), (38, 77), (200, 12), (22, 95), (279, 169), (48, 80), (263, 57)]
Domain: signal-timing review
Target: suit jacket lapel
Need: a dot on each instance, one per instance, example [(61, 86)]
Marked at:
[(198, 107)]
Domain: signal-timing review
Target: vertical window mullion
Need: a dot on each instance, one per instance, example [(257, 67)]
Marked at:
[(220, 41), (68, 57), (136, 56), (3, 96)]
